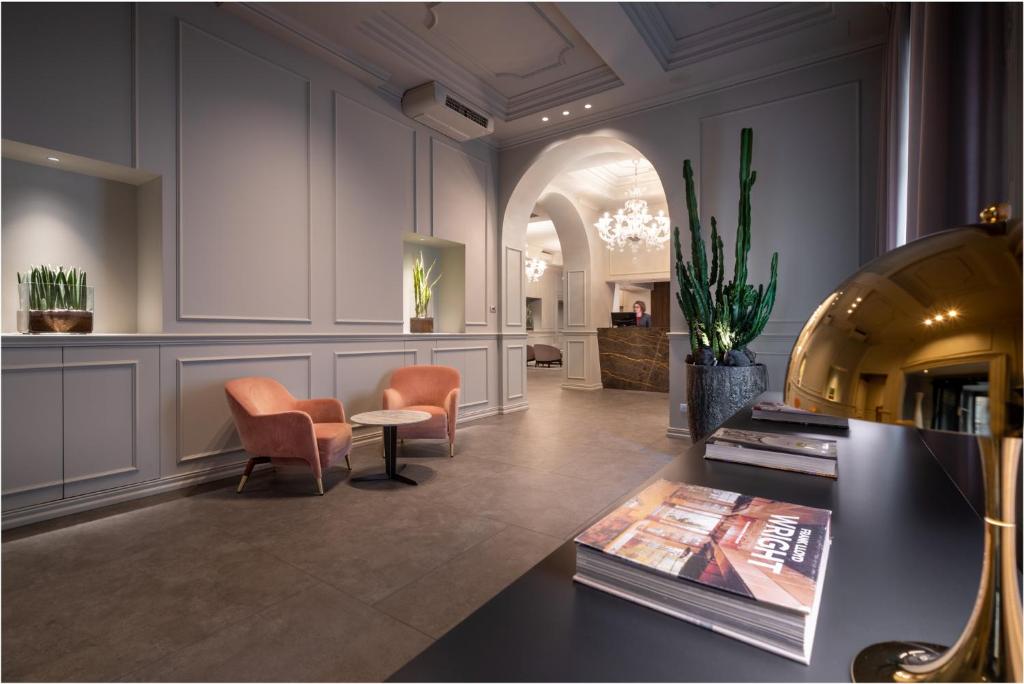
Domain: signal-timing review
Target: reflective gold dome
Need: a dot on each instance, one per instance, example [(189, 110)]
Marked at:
[(928, 335)]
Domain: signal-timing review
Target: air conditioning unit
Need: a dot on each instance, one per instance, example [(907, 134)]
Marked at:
[(433, 105)]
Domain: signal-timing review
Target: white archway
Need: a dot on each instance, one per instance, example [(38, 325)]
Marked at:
[(577, 281), (582, 294)]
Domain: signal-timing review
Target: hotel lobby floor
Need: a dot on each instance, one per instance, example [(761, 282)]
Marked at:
[(280, 585)]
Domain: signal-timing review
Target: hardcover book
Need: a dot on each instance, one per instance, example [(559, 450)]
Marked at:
[(770, 450), (777, 411), (743, 566)]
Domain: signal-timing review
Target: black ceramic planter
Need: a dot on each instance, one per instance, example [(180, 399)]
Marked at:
[(715, 393)]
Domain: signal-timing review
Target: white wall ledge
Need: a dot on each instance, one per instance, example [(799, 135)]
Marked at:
[(11, 340)]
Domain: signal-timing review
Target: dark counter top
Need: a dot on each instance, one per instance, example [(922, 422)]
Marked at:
[(634, 358), (904, 564)]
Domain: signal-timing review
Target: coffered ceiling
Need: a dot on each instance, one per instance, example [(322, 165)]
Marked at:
[(525, 62)]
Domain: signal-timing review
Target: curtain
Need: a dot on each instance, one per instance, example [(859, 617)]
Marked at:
[(949, 69), (957, 136), (892, 181)]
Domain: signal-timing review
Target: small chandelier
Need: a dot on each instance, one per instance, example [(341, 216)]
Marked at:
[(535, 268), (633, 225)]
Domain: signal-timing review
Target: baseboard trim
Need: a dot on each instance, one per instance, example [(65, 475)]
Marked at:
[(585, 388), (108, 497), (677, 433), (514, 408)]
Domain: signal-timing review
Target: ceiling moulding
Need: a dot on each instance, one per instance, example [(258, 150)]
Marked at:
[(268, 19), (688, 92), (390, 33), (533, 13), (673, 51), (582, 85)]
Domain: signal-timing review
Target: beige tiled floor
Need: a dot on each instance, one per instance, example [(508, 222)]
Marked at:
[(279, 585)]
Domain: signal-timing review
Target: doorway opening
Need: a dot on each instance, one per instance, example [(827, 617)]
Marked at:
[(559, 214)]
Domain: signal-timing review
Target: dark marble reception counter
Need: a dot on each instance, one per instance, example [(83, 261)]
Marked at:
[(634, 358)]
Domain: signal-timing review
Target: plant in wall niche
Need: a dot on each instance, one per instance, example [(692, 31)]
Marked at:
[(723, 317), (54, 300), (422, 290)]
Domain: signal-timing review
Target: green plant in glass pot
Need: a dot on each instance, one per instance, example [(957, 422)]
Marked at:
[(55, 300), (422, 290)]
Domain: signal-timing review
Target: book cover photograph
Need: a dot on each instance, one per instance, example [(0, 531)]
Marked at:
[(769, 551), (804, 446)]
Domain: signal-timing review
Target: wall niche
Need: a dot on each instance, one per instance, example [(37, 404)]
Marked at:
[(448, 301), (103, 218)]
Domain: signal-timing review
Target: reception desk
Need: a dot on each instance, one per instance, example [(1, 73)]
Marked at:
[(634, 358)]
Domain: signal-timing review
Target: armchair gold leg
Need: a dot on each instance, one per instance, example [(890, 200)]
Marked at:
[(451, 449), (241, 483), (348, 463), (320, 486)]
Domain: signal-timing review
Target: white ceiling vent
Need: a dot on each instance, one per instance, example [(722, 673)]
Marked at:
[(433, 105)]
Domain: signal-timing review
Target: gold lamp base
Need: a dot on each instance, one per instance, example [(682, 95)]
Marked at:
[(887, 661), (989, 648)]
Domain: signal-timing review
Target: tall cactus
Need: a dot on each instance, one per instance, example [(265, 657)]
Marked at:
[(722, 316)]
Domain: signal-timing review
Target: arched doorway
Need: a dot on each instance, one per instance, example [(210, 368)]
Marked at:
[(587, 299)]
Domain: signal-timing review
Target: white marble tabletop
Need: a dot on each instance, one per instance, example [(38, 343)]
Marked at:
[(398, 417)]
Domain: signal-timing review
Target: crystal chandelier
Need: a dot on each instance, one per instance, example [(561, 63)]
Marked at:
[(535, 268), (632, 225)]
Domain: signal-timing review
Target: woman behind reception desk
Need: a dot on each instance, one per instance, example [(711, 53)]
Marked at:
[(643, 319)]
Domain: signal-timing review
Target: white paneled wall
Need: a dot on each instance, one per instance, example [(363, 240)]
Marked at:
[(138, 415), (459, 183), (371, 147), (245, 230), (293, 184)]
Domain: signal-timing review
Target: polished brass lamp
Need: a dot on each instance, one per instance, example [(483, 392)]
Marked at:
[(929, 336)]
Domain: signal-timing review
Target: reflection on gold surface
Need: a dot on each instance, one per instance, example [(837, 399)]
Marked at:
[(929, 335), (947, 306)]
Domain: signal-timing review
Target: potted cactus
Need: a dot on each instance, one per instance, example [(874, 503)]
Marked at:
[(54, 300), (422, 289), (722, 373)]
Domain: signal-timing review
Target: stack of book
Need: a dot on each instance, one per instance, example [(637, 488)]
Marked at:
[(773, 410), (770, 450), (745, 567)]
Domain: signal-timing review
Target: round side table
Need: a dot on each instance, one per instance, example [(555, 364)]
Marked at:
[(389, 421)]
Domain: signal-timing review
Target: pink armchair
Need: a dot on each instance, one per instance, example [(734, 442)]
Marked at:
[(434, 389), (276, 426)]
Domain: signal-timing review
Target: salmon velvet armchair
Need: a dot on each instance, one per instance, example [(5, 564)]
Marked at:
[(276, 426), (433, 389)]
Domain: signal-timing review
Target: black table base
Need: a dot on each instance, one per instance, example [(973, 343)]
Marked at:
[(391, 469)]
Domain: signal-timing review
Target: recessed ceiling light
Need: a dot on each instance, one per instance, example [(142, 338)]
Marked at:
[(927, 321), (587, 106), (53, 159), (565, 113), (952, 313), (849, 311), (925, 370), (543, 118)]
